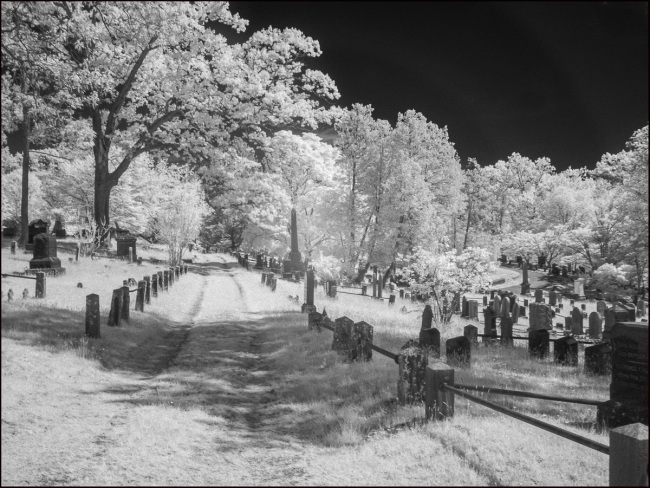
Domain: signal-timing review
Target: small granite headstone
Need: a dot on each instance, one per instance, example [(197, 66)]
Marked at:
[(595, 325), (565, 351), (577, 321), (458, 351), (538, 343), (598, 359)]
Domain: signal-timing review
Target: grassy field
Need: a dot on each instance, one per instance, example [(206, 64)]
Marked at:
[(219, 382)]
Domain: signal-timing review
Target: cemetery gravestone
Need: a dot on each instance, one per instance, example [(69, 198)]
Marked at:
[(579, 288), (497, 305), (45, 253), (565, 351), (505, 307), (412, 361), (506, 331), (539, 296), (115, 314), (552, 298), (515, 313), (595, 325), (471, 332), (92, 316), (360, 346), (601, 307), (541, 317), (154, 285), (458, 352), (314, 320), (525, 285), (124, 243), (598, 359), (35, 228), (576, 322), (538, 343), (629, 388), (342, 334)]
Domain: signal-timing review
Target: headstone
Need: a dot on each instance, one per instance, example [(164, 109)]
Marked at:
[(458, 352), (641, 307), (497, 305), (465, 307), (171, 276), (538, 342), (598, 359), (263, 278), (579, 288), (44, 246), (577, 322), (565, 351), (92, 316), (525, 302), (13, 247), (565, 272), (391, 299), (601, 307), (629, 388), (40, 285), (412, 361), (506, 331), (522, 311), (541, 317), (401, 292), (124, 243), (374, 281), (552, 298), (294, 255), (505, 307), (314, 321), (471, 332), (274, 284), (539, 296), (595, 325), (628, 459), (35, 228), (568, 323), (342, 334), (126, 304), (515, 313), (360, 345)]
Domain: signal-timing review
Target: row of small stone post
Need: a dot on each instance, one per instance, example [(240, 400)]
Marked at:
[(121, 299)]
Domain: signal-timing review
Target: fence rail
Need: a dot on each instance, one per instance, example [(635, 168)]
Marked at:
[(526, 394), (6, 275), (530, 420)]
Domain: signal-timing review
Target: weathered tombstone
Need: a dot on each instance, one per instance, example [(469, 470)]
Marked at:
[(309, 292), (485, 300), (539, 296), (552, 298), (263, 278), (177, 272), (628, 391), (525, 285), (35, 228), (126, 247), (185, 269), (171, 277), (601, 307), (401, 291), (391, 300), (538, 343), (412, 361), (154, 285), (465, 309), (506, 331), (92, 316), (641, 308), (360, 345), (598, 359), (314, 320), (13, 247), (497, 305), (541, 316), (274, 284), (505, 307), (342, 334), (430, 340), (374, 281), (577, 322), (458, 350), (380, 285), (471, 332), (139, 296), (115, 314), (515, 312), (165, 280), (456, 302), (595, 325), (579, 288), (44, 253), (565, 351), (583, 307)]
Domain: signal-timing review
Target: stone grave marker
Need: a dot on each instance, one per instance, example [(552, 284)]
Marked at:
[(92, 316), (565, 351), (538, 343), (515, 313), (412, 361), (505, 307), (497, 305), (541, 316), (595, 325), (45, 253), (539, 296), (471, 332), (577, 322), (552, 298), (601, 307), (629, 387), (506, 330), (598, 359), (342, 334), (360, 345), (458, 352), (579, 288)]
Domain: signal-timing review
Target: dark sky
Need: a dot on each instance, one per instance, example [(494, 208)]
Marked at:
[(567, 80)]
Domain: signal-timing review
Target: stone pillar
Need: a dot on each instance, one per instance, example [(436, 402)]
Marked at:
[(576, 322), (525, 285), (439, 405), (154, 285), (115, 315), (126, 303), (294, 255), (171, 277), (40, 285), (165, 280), (506, 331), (263, 278), (139, 296), (13, 247), (374, 281), (412, 362), (161, 288), (92, 316), (130, 254), (628, 455), (147, 290), (76, 254), (309, 291)]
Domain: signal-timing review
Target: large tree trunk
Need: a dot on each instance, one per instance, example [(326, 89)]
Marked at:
[(24, 201)]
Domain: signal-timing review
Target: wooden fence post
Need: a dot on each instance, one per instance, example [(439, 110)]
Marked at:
[(147, 291), (40, 285), (126, 303), (139, 296), (92, 316), (628, 455), (439, 405)]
